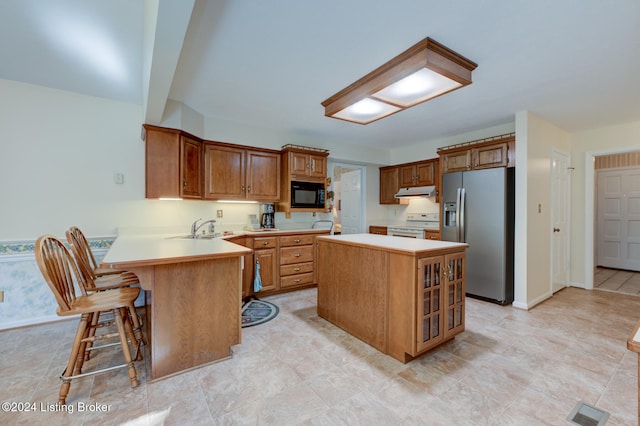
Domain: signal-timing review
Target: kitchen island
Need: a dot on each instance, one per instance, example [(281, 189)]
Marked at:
[(402, 296), (193, 297)]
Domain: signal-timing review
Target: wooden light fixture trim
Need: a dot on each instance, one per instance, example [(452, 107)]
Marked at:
[(427, 53)]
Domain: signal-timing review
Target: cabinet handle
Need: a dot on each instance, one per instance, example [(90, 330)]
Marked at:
[(297, 269), (313, 166), (242, 188), (297, 255), (249, 188), (296, 241), (184, 183), (297, 280)]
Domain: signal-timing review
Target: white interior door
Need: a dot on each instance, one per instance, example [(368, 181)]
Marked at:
[(351, 202), (618, 219), (560, 184)]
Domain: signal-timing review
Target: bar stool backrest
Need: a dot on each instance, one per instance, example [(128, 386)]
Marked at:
[(59, 271)]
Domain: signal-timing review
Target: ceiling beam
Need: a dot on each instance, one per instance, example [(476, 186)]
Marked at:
[(165, 27)]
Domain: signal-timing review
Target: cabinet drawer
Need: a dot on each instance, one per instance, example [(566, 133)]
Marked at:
[(289, 255), (296, 268), (293, 280), (296, 240), (265, 242), (432, 235)]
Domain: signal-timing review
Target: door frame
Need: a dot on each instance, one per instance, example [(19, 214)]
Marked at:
[(590, 206), (363, 186)]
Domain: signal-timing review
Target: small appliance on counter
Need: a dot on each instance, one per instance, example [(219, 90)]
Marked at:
[(267, 215)]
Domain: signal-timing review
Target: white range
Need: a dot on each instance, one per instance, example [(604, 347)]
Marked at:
[(415, 225)]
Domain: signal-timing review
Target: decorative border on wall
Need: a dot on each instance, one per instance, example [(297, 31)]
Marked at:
[(15, 250)]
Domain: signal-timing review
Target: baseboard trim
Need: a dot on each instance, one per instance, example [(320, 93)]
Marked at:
[(35, 321), (528, 305)]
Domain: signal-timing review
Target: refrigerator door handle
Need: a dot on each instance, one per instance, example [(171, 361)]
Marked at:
[(458, 224), (461, 215)]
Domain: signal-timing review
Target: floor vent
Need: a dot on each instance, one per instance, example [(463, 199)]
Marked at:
[(587, 415)]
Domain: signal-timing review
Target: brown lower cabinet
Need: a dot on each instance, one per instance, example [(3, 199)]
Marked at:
[(287, 261)]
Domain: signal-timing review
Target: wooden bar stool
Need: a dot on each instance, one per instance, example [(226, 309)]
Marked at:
[(61, 273), (102, 278)]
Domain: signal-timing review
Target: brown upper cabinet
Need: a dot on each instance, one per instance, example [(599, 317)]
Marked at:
[(498, 152), (238, 173), (420, 173), (173, 165), (389, 184), (301, 164)]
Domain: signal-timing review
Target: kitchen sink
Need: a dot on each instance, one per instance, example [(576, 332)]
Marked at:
[(195, 237)]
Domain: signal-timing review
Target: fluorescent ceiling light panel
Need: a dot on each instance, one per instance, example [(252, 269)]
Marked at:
[(366, 111), (416, 88), (424, 71)]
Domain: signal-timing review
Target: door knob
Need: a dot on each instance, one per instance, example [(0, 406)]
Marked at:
[(556, 229)]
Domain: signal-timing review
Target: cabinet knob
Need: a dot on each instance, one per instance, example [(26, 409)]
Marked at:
[(242, 188), (297, 255), (184, 183), (296, 241), (249, 188), (297, 280), (265, 243), (297, 269)]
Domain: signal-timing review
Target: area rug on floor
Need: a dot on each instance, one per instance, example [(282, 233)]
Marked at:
[(256, 312)]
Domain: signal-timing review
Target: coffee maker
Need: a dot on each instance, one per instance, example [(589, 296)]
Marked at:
[(267, 216)]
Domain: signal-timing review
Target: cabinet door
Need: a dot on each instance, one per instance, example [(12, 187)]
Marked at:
[(456, 161), (407, 176), (263, 176), (191, 168), (380, 230), (224, 170), (317, 166), (426, 173), (490, 156), (389, 185), (429, 310), (298, 164), (454, 292), (268, 260)]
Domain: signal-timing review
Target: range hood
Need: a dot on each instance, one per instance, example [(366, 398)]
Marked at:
[(416, 191)]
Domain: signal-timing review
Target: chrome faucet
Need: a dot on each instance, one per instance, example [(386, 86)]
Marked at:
[(195, 227)]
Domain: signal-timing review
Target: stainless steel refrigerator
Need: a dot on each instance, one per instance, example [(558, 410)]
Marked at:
[(478, 208)]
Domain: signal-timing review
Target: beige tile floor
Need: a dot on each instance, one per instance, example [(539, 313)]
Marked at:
[(620, 281), (510, 367)]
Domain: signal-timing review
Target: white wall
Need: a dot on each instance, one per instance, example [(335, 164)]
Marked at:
[(619, 138), (536, 139)]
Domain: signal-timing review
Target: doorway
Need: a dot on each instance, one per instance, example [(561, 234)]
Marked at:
[(611, 279), (348, 189)]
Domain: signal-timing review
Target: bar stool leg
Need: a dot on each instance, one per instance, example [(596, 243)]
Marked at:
[(73, 359), (133, 375), (137, 327)]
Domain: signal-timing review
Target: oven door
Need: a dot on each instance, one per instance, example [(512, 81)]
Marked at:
[(407, 233)]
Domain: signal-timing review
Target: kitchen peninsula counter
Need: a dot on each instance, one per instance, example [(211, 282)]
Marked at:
[(402, 296), (193, 297)]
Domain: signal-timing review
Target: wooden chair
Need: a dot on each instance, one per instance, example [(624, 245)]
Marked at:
[(61, 273), (97, 277)]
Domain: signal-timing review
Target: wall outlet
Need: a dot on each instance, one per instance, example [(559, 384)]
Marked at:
[(1, 296), (118, 178), (219, 214)]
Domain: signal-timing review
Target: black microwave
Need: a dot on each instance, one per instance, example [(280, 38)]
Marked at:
[(308, 195)]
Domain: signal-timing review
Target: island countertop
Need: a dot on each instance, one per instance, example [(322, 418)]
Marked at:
[(146, 250), (393, 244)]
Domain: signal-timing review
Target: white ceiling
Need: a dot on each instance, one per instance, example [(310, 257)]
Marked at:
[(576, 63)]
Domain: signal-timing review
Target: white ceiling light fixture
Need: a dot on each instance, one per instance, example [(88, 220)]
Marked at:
[(424, 71)]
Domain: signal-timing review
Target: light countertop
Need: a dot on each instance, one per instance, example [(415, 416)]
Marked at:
[(146, 250), (396, 244)]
